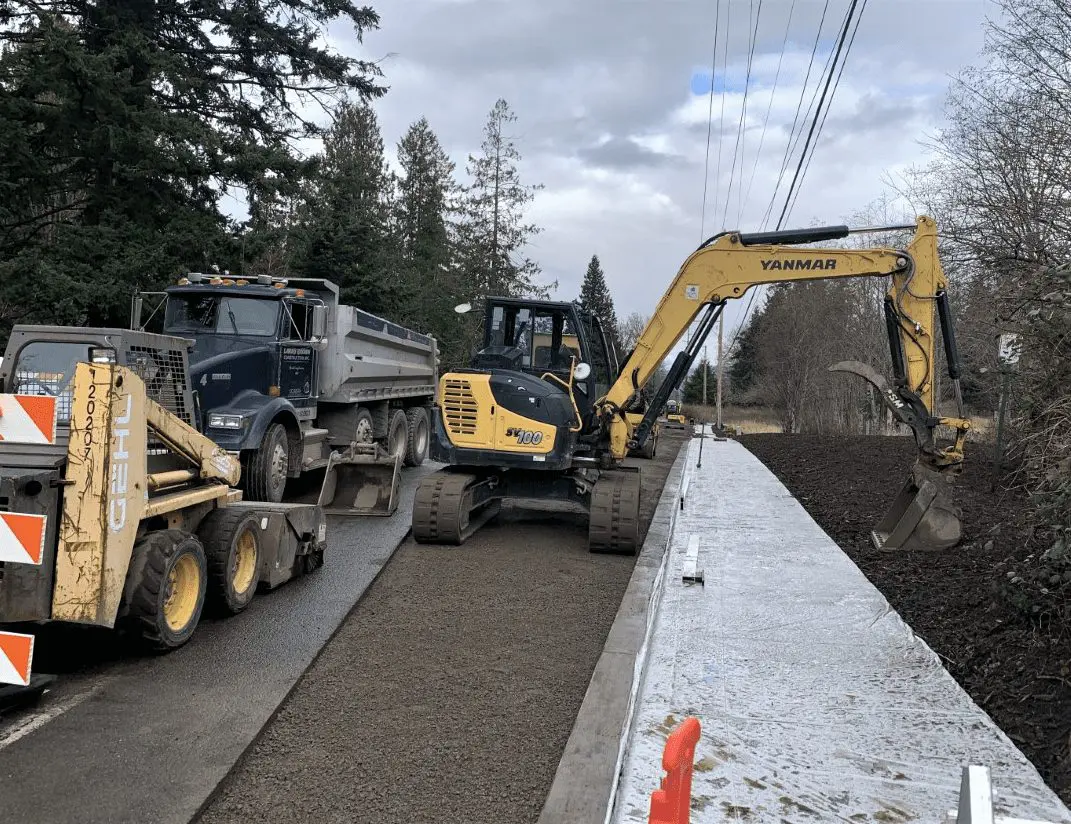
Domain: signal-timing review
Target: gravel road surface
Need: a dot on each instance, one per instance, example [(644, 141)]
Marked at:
[(450, 691)]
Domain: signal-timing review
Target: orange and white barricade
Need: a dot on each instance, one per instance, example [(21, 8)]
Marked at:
[(27, 418)]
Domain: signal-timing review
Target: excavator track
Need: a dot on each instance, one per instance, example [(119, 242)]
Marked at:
[(614, 521), (443, 508)]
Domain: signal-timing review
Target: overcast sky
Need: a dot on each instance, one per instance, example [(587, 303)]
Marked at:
[(612, 101)]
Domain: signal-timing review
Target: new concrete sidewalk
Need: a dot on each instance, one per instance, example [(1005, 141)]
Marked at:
[(816, 701)]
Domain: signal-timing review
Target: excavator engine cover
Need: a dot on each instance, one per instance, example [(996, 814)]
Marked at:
[(363, 480), (922, 517)]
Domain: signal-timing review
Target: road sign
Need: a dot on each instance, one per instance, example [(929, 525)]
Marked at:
[(16, 655), (27, 418), (1008, 349)]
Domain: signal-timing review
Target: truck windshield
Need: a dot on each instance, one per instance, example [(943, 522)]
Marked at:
[(221, 314), (46, 368)]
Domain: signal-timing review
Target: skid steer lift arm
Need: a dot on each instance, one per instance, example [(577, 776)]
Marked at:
[(727, 265)]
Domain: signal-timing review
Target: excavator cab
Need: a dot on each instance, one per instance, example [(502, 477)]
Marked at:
[(548, 338)]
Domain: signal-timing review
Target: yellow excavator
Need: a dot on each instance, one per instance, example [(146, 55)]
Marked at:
[(559, 429)]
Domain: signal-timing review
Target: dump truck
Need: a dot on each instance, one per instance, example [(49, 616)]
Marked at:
[(291, 380), (115, 510)]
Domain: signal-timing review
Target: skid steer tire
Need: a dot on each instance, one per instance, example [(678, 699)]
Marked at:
[(232, 545), (416, 444), (397, 433), (264, 469), (167, 588)]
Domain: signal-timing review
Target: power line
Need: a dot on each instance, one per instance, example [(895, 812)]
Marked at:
[(740, 202), (796, 117), (836, 83), (743, 110), (769, 108), (710, 122), (814, 123), (724, 75)]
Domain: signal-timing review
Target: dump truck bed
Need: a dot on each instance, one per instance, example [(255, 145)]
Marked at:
[(369, 358)]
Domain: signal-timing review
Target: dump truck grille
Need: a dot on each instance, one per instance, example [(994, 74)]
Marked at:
[(459, 407)]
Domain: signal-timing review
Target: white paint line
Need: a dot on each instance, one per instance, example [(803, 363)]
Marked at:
[(36, 720)]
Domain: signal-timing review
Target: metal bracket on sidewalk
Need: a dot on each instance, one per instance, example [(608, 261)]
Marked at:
[(692, 573), (976, 801)]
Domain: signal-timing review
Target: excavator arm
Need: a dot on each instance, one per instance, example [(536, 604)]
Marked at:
[(726, 266)]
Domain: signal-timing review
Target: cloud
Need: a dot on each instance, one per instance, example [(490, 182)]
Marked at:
[(612, 101)]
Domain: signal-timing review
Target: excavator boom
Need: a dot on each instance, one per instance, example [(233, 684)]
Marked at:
[(728, 265)]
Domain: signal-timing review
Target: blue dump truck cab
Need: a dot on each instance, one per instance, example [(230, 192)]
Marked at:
[(284, 373)]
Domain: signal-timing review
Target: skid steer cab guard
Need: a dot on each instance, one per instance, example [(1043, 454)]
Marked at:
[(363, 480)]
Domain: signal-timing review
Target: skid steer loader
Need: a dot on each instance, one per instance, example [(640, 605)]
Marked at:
[(116, 511)]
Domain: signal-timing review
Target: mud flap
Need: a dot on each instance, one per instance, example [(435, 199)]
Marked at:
[(922, 517), (363, 480)]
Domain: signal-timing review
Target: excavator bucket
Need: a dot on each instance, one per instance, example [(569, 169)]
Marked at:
[(921, 517), (363, 480)]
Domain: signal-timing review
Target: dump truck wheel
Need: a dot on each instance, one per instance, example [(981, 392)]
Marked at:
[(363, 426), (169, 593), (397, 433), (264, 469), (416, 448), (231, 539)]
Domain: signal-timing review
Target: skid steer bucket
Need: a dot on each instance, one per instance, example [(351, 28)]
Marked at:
[(363, 480), (922, 516)]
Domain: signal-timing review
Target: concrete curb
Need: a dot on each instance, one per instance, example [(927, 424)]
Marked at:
[(585, 784)]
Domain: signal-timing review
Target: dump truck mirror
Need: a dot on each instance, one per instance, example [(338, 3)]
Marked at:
[(319, 322), (582, 371)]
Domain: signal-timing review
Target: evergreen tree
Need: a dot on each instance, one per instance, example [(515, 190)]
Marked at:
[(347, 231), (595, 297), (693, 384), (427, 194), (744, 359), (492, 233), (124, 123)]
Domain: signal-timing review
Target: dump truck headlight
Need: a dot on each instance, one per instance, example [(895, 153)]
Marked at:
[(225, 421)]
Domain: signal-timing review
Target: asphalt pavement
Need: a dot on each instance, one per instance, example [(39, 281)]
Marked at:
[(148, 739)]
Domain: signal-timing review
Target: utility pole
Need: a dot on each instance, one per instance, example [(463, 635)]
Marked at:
[(721, 327)]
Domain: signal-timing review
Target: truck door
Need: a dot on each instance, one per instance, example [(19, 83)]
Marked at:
[(297, 379)]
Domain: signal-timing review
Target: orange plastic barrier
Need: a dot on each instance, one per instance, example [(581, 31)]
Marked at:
[(672, 803)]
